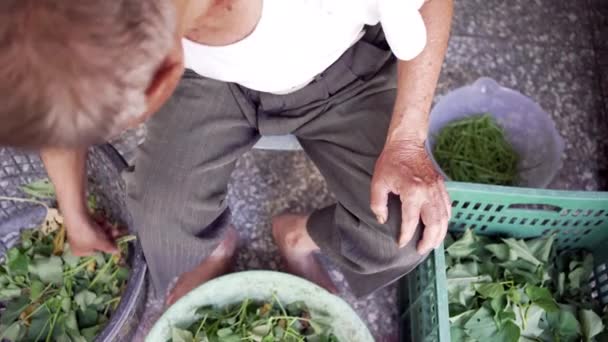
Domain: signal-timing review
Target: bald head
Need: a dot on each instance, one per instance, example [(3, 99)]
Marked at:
[(71, 70)]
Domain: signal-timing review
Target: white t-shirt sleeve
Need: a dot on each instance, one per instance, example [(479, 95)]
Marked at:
[(403, 26)]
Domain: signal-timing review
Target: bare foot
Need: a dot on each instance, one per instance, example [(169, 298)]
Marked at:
[(298, 248), (218, 263)]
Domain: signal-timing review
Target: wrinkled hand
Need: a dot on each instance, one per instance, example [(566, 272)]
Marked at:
[(404, 168), (88, 235)]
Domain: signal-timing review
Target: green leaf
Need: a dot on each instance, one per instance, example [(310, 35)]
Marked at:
[(87, 318), (490, 268), (85, 298), (225, 332), (519, 250), (499, 250), (5, 280), (457, 334), (231, 338), (92, 203), (461, 278), (541, 247), (591, 324), (448, 241), (461, 319), (40, 325), (580, 272), (12, 332), (48, 270), (68, 258), (561, 284), (70, 321), (508, 332), (66, 304), (7, 293), (464, 247), (17, 262), (575, 278), (181, 335), (533, 322), (261, 330), (498, 304), (296, 308), (523, 271), (63, 338), (13, 310), (41, 189), (90, 333), (490, 290), (122, 274), (36, 290), (464, 270), (481, 325), (76, 336), (506, 316), (462, 292), (542, 297), (563, 325), (517, 296)]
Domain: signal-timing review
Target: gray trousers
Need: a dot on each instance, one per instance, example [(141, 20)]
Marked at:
[(177, 194)]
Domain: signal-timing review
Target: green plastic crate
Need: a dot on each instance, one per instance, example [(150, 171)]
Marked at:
[(579, 218)]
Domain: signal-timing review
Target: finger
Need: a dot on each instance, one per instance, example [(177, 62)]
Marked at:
[(410, 218), (106, 245), (379, 200), (446, 198), (433, 217), (79, 252), (99, 218), (117, 231), (443, 196)]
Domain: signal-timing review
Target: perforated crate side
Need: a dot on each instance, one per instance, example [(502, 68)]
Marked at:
[(578, 218), (423, 301)]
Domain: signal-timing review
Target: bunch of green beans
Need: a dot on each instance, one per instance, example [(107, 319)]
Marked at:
[(475, 150)]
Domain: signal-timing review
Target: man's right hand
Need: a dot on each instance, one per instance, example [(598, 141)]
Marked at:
[(87, 235), (67, 171)]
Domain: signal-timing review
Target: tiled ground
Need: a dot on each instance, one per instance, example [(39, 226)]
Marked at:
[(556, 52)]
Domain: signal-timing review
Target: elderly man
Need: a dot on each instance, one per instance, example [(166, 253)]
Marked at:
[(352, 79)]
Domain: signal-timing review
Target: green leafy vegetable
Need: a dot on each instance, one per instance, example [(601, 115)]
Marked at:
[(475, 150), (256, 321), (42, 189), (542, 297), (515, 290), (47, 293), (591, 324)]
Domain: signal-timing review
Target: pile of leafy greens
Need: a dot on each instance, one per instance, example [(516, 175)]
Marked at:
[(257, 321), (507, 289), (49, 294), (475, 149)]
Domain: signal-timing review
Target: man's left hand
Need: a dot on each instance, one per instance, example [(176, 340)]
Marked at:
[(405, 169)]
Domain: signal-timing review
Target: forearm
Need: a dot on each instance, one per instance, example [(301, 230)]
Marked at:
[(67, 170), (417, 79)]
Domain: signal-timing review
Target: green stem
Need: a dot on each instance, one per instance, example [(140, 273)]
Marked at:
[(24, 200), (77, 269), (108, 303), (50, 334), (41, 331), (200, 327), (276, 299), (101, 272), (124, 239)]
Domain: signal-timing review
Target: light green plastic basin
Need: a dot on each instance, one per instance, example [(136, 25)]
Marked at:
[(262, 285)]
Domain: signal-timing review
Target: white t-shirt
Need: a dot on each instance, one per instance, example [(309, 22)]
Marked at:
[(295, 40)]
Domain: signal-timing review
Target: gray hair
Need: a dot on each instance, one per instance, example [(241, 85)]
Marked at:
[(71, 69)]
